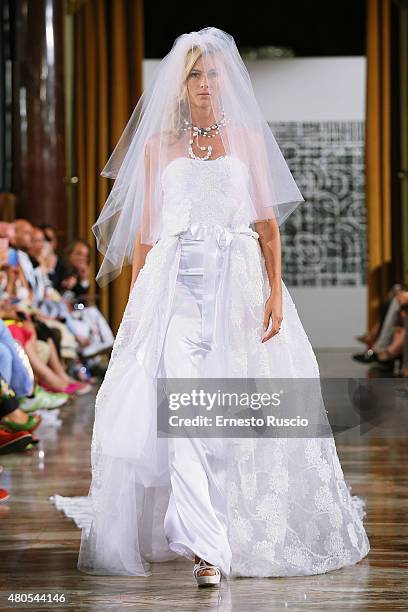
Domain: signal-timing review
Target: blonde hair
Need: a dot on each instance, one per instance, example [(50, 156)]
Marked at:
[(181, 107)]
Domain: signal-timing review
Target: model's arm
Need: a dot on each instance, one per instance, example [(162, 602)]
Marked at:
[(270, 243), (141, 250), (139, 258)]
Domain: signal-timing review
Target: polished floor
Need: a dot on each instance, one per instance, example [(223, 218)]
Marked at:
[(39, 546)]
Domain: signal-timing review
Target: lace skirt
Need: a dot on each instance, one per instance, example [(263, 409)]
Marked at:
[(255, 506)]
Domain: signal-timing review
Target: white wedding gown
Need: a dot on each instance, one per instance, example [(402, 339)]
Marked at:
[(253, 506)]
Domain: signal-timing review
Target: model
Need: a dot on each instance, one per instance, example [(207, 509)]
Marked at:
[(201, 189)]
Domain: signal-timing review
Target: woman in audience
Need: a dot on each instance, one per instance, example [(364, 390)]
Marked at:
[(91, 328), (54, 259), (385, 341)]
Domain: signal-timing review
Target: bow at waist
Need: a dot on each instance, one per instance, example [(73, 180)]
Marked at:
[(222, 234)]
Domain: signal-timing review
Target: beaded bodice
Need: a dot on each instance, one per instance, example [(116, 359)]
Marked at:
[(213, 192)]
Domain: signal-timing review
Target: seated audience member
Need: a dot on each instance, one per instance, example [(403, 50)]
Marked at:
[(11, 440), (34, 275), (17, 378), (52, 305), (44, 338), (55, 260), (12, 418), (12, 272), (32, 264), (46, 365), (88, 325), (16, 428), (389, 344), (16, 368), (53, 317), (91, 328), (77, 276)]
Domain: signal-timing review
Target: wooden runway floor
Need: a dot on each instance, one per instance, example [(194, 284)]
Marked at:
[(39, 546)]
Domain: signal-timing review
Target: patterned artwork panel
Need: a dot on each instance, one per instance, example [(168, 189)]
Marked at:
[(324, 240)]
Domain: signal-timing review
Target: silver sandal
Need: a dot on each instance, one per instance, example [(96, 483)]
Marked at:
[(206, 580)]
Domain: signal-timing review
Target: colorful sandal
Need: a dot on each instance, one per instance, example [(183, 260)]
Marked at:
[(30, 425)]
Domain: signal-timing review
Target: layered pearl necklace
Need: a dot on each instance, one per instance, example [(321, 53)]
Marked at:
[(207, 132)]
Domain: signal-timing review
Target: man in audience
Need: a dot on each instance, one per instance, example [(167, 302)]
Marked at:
[(35, 277)]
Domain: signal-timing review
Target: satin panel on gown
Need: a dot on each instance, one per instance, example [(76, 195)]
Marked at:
[(196, 517)]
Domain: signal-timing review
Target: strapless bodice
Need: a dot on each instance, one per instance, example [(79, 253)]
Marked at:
[(212, 192)]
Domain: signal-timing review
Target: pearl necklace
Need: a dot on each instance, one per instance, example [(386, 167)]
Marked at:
[(206, 133)]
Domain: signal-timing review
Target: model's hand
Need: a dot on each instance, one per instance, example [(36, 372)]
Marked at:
[(273, 310)]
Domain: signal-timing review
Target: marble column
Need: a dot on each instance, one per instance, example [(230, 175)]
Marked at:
[(38, 94)]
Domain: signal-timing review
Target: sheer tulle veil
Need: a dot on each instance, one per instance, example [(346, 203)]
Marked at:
[(157, 132)]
